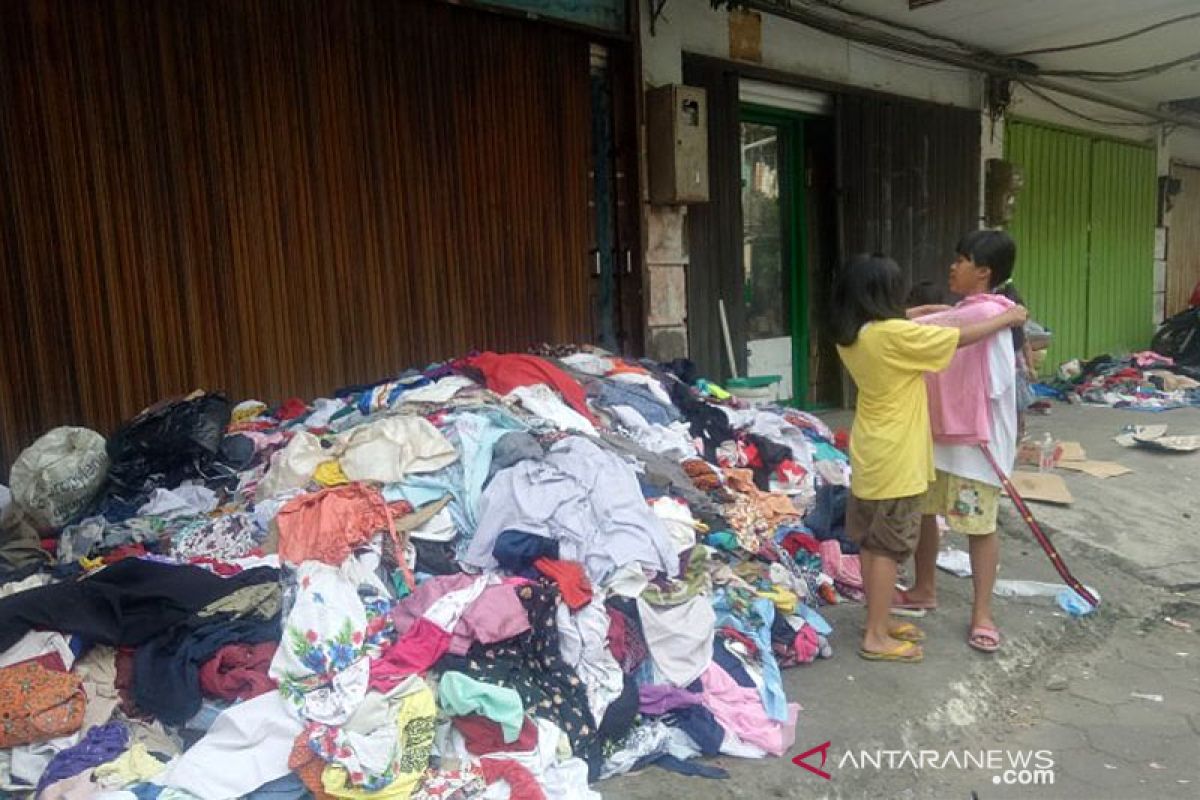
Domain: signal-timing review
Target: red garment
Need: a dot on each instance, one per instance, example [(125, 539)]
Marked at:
[(733, 634), (1194, 301), (416, 651), (797, 541), (49, 661), (504, 373), (482, 735), (123, 552), (522, 784), (572, 582), (750, 455), (625, 642), (291, 408), (218, 567), (238, 671)]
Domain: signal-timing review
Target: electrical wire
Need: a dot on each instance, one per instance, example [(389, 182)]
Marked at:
[(863, 15), (883, 52), (1098, 76), (1110, 40), (1088, 75), (1122, 75), (1074, 112), (979, 60)]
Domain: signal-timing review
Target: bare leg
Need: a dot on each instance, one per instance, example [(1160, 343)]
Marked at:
[(985, 561), (879, 581), (925, 588)]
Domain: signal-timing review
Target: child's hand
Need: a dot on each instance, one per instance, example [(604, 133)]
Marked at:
[(1017, 316), (923, 311)]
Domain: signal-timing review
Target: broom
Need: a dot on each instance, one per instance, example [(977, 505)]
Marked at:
[(1038, 533)]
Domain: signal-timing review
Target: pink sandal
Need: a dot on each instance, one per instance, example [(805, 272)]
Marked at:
[(904, 607), (984, 639)]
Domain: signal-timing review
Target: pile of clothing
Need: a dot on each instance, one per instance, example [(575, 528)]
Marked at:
[(1143, 381), (511, 575)]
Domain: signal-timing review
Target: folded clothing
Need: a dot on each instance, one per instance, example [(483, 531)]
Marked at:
[(238, 671)]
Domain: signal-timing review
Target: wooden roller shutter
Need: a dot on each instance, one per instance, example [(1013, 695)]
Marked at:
[(277, 198)]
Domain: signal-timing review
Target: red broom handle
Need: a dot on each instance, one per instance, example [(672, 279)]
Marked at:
[(1038, 533)]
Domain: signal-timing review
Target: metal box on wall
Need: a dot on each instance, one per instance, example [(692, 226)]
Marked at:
[(677, 140)]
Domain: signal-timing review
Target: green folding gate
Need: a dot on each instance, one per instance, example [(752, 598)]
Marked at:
[(1084, 227)]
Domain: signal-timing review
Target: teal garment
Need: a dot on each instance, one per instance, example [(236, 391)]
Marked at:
[(459, 694), (723, 540), (827, 452), (473, 431)]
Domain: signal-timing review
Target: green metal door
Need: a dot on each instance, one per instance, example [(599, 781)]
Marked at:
[(1050, 226), (1121, 274), (1084, 227)]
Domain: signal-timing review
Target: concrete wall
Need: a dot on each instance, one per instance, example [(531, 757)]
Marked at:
[(693, 26)]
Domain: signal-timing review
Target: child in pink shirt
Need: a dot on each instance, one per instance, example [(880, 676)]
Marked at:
[(972, 403)]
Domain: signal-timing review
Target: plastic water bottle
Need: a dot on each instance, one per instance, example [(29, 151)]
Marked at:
[(1046, 456), (1071, 602)]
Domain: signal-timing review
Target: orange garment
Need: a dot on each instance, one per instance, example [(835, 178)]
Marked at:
[(327, 525), (37, 704), (572, 581), (620, 366), (771, 505), (703, 475), (308, 766)]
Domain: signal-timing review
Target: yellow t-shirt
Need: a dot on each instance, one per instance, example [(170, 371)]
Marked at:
[(891, 449)]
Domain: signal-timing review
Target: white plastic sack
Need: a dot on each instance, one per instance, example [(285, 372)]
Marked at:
[(58, 475)]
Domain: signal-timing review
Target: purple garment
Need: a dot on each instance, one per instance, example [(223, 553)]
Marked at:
[(497, 614), (661, 699), (102, 744)]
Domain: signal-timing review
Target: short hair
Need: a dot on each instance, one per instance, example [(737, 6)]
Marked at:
[(995, 250)]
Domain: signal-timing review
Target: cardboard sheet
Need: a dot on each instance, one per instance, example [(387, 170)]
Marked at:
[(1140, 432), (1175, 444), (1153, 437), (1097, 469), (1044, 487), (1071, 451)]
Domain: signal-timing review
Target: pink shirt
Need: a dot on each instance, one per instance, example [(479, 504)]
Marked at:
[(497, 614), (958, 396)]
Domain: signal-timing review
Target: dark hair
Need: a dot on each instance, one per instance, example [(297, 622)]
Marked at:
[(867, 289), (995, 250), (926, 293)]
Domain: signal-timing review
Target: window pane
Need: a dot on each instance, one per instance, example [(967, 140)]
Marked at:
[(763, 233)]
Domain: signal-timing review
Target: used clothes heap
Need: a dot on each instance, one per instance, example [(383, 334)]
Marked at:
[(511, 575), (1142, 381)]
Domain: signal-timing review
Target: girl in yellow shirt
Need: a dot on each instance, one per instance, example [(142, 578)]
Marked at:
[(891, 449)]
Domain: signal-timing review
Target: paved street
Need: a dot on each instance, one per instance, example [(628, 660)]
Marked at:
[(1086, 690)]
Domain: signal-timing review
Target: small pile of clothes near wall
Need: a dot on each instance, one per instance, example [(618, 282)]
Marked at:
[(1143, 381), (511, 575)]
